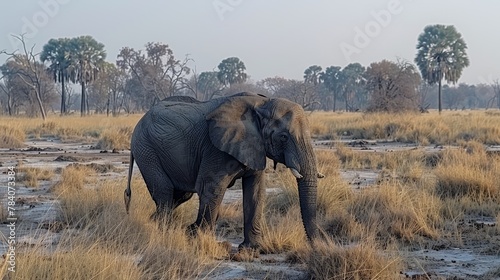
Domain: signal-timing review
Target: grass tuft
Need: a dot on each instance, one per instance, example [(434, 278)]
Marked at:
[(73, 179), (362, 261), (283, 232), (169, 263), (31, 175), (470, 172), (396, 211), (78, 263), (115, 138), (11, 137)]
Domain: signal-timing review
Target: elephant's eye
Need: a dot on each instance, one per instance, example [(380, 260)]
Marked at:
[(283, 138)]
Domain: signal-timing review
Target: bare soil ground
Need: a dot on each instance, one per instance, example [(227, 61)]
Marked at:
[(37, 209)]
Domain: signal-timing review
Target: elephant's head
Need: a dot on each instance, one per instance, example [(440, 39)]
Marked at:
[(251, 127)]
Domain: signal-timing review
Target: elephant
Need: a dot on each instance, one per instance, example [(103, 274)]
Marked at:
[(183, 146), (182, 98)]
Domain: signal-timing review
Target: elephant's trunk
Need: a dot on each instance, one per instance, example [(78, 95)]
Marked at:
[(308, 197), (304, 169)]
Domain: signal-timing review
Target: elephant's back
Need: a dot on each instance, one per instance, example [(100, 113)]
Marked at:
[(181, 113)]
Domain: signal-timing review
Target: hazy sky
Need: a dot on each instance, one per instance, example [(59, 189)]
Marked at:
[(272, 38)]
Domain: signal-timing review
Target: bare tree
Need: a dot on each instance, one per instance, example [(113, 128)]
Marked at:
[(10, 89), (31, 71), (301, 92), (203, 86), (495, 85), (158, 73)]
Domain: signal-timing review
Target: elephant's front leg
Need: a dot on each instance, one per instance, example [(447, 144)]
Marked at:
[(253, 204)]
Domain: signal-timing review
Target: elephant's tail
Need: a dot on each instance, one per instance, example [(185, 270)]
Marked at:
[(128, 192)]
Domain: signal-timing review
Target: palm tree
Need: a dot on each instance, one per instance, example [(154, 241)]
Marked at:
[(231, 71), (89, 56), (209, 84), (353, 81), (57, 52), (312, 74), (441, 54), (331, 80)]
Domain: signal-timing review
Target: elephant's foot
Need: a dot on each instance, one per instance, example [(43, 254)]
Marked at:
[(246, 245), (227, 246), (251, 242), (163, 218), (246, 254), (192, 230)]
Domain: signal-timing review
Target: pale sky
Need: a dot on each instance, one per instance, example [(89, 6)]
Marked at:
[(272, 38)]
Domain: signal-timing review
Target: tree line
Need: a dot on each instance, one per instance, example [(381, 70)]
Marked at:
[(74, 73)]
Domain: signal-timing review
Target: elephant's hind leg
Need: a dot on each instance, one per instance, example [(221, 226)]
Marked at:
[(159, 185), (210, 201), (181, 197)]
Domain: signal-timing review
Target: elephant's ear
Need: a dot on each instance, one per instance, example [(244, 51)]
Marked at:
[(235, 128)]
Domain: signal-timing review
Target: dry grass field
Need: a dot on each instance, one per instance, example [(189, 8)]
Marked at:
[(437, 189)]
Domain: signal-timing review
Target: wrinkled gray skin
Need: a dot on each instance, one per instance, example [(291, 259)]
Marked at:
[(183, 146)]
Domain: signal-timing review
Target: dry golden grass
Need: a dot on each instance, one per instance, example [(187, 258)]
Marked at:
[(470, 172), (396, 211), (393, 211), (115, 138), (11, 137), (447, 128), (66, 128), (103, 242), (230, 222), (79, 262), (73, 179), (423, 197), (283, 231), (144, 250), (98, 239), (30, 176), (411, 166), (424, 129), (327, 260), (333, 191)]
